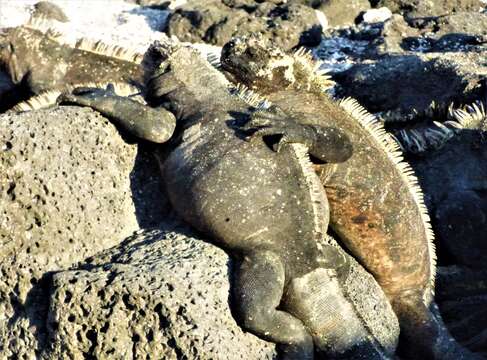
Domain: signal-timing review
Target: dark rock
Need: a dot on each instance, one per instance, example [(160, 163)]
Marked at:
[(460, 31), (413, 81), (390, 37), (69, 187), (8, 96), (453, 179), (421, 9), (462, 297), (461, 220), (217, 21), (456, 282)]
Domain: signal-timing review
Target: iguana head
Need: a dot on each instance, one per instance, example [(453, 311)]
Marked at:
[(257, 63), (262, 66), (14, 53)]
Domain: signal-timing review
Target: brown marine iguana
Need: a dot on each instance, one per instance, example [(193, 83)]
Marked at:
[(266, 208), (42, 62), (376, 207)]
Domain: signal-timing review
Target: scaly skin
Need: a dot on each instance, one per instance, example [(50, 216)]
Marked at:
[(375, 206), (37, 62), (262, 204)]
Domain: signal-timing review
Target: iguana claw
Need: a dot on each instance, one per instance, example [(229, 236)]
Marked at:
[(291, 131)]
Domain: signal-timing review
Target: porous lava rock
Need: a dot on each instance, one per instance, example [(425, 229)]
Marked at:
[(161, 294), (69, 187), (217, 21)]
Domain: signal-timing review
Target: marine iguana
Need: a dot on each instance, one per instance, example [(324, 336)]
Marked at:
[(419, 132), (376, 207), (41, 61), (264, 205)]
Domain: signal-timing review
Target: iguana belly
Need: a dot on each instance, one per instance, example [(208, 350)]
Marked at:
[(246, 196)]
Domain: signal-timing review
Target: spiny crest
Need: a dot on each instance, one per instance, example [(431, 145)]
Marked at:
[(393, 152), (214, 60), (473, 117), (101, 48), (47, 27), (315, 187), (435, 134), (43, 100), (39, 23), (424, 137), (433, 111), (250, 97), (47, 99), (310, 69)]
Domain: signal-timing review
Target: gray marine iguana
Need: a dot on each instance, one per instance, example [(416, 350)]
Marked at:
[(42, 63), (264, 205), (376, 207)]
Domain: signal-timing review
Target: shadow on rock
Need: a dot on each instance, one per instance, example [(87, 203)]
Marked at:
[(406, 82), (454, 180)]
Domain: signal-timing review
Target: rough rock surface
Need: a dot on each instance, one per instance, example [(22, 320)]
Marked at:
[(158, 295), (338, 13), (69, 187), (413, 81), (459, 167), (420, 8), (461, 294), (217, 21)]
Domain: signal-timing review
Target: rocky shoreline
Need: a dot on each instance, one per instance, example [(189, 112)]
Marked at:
[(93, 264)]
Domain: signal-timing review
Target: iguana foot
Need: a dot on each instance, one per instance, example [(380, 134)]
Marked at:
[(258, 290), (327, 144), (152, 124)]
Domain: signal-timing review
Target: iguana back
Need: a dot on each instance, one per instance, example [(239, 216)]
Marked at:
[(376, 207)]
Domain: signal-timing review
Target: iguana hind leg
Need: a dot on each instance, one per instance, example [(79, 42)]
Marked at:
[(258, 290), (152, 124)]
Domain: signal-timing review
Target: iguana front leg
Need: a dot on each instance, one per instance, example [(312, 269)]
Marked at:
[(258, 290), (152, 124), (327, 144)]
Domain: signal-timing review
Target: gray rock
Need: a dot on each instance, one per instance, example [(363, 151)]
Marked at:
[(69, 187), (413, 81), (421, 9), (158, 295), (217, 21), (338, 13)]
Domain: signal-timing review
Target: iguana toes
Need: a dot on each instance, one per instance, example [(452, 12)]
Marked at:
[(376, 207), (41, 61), (266, 208)]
